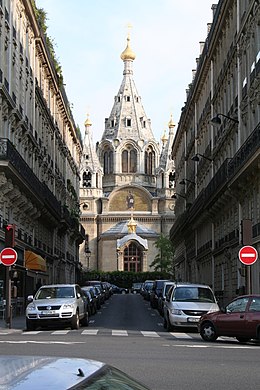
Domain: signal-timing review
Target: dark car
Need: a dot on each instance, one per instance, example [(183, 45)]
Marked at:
[(56, 373), (136, 288), (146, 289), (101, 287), (91, 299), (239, 319), (156, 292), (119, 290)]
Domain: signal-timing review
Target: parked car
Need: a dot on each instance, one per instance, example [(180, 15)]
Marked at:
[(161, 299), (147, 288), (101, 287), (239, 319), (59, 304), (156, 292), (119, 290), (92, 303), (136, 288), (185, 303), (62, 373)]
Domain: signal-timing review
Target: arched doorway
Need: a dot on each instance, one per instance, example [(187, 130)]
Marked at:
[(133, 257)]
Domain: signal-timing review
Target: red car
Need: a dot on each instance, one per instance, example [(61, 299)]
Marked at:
[(240, 319)]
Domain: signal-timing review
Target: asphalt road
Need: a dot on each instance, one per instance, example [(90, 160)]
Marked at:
[(128, 334)]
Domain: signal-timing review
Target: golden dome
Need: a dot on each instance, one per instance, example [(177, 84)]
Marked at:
[(171, 124), (128, 53), (131, 225), (164, 138), (88, 121)]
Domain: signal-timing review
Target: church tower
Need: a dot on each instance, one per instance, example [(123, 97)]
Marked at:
[(128, 150), (127, 184)]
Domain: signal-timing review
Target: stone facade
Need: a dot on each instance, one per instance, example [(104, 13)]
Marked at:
[(219, 159), (39, 153), (129, 176)]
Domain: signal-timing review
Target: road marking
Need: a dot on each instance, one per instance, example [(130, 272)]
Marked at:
[(119, 332), (181, 335), (90, 332), (149, 334), (60, 332), (32, 332), (42, 342)]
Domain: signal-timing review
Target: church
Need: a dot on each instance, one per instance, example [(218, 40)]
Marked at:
[(126, 184)]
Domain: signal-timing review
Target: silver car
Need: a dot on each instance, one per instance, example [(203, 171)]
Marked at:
[(60, 373), (57, 304), (185, 303)]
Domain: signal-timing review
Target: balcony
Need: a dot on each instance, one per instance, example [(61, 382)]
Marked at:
[(24, 173), (247, 150)]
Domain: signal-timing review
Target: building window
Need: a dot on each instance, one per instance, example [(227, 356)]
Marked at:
[(149, 163), (108, 162), (129, 161), (128, 98), (128, 122), (86, 179), (132, 258)]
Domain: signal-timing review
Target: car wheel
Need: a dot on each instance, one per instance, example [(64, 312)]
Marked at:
[(169, 326), (243, 339), (30, 325), (85, 321), (208, 332), (75, 321), (164, 323)]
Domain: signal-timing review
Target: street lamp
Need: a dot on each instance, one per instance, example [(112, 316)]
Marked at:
[(175, 196), (196, 157), (87, 254), (217, 120), (182, 182)]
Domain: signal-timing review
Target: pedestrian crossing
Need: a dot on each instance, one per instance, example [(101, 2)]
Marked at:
[(108, 332)]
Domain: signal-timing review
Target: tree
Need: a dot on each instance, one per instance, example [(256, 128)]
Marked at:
[(164, 259)]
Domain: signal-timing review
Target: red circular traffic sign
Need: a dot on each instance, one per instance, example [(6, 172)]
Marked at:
[(8, 256), (248, 255)]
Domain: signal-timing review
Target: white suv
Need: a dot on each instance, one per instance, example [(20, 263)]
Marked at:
[(57, 304), (185, 303)]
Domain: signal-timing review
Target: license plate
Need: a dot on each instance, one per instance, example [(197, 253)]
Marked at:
[(47, 312), (190, 319)]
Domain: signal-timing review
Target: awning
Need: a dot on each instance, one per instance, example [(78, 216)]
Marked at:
[(34, 261)]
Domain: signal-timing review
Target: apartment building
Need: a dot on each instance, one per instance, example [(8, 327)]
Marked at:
[(217, 156), (40, 152)]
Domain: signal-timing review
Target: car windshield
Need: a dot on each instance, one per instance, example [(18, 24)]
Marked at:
[(55, 292), (194, 294)]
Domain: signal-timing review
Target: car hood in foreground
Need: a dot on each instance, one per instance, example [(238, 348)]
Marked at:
[(40, 372)]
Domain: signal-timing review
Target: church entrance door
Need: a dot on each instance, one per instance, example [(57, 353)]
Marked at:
[(133, 258)]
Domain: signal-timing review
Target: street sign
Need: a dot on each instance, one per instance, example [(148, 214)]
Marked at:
[(248, 255), (8, 256)]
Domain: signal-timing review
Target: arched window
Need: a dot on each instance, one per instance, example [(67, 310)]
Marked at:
[(133, 258), (129, 160), (149, 163), (108, 162), (86, 179)]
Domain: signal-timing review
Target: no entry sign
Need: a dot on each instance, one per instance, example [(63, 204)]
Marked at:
[(8, 256), (248, 255)]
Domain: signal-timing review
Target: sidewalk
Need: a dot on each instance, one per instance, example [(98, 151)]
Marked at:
[(18, 322)]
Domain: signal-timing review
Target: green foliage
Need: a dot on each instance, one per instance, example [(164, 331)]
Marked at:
[(164, 259), (122, 278)]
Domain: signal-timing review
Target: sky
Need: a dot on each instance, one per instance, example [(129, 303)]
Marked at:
[(90, 35)]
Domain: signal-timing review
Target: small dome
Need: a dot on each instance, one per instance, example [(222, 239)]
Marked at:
[(164, 138), (171, 124), (128, 53), (88, 121)]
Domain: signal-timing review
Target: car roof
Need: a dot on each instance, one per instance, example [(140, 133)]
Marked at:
[(191, 285), (52, 372), (59, 285)]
